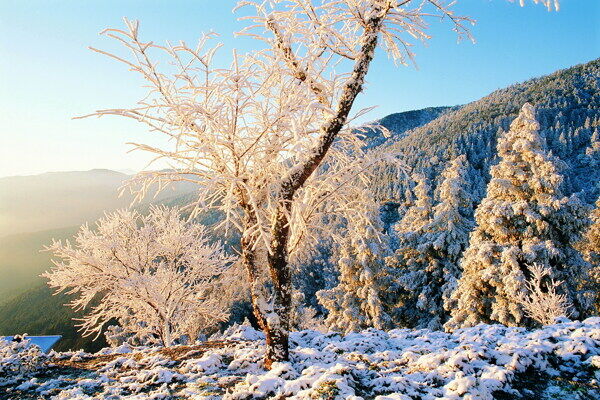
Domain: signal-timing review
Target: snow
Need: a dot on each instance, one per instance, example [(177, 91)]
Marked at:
[(44, 342), (400, 364)]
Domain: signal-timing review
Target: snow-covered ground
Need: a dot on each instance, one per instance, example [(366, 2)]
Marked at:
[(560, 361)]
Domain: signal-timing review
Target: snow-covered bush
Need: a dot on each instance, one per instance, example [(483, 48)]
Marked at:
[(308, 318), (304, 316), (542, 303), (156, 274), (116, 335), (19, 357)]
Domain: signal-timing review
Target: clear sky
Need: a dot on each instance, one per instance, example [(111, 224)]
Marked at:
[(47, 75)]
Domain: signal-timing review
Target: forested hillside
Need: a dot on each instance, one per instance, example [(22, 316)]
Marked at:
[(38, 312), (568, 109)]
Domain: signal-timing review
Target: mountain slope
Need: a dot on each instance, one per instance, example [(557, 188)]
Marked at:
[(22, 261), (568, 109), (38, 312)]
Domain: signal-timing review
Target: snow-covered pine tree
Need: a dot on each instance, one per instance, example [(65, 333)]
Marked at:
[(430, 254), (590, 247), (592, 153), (419, 214), (358, 301), (409, 257), (523, 220), (448, 234)]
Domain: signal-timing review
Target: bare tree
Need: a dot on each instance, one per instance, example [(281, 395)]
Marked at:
[(267, 139)]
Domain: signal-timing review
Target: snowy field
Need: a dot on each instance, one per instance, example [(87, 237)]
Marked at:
[(560, 361)]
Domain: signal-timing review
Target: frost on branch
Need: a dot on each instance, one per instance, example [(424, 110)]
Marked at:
[(523, 220), (550, 4), (155, 274), (542, 303)]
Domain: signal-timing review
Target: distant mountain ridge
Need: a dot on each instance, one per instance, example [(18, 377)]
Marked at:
[(59, 199), (400, 123)]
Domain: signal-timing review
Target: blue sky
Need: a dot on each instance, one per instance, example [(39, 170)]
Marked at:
[(47, 75)]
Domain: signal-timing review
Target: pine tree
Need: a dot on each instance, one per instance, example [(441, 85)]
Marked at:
[(358, 301), (523, 220), (590, 247), (419, 214), (410, 259), (592, 153), (450, 228), (430, 254)]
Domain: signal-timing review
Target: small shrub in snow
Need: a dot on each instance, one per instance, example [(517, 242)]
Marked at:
[(542, 302), (116, 335), (18, 358), (327, 390)]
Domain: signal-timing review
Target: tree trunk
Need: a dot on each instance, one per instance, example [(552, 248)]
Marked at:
[(249, 262), (277, 346), (273, 314), (274, 318), (279, 269), (274, 323)]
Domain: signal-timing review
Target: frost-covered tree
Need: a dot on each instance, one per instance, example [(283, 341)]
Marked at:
[(523, 220), (258, 137), (155, 274), (432, 242), (408, 258), (419, 213), (316, 272), (542, 302), (590, 247), (451, 225), (359, 300)]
